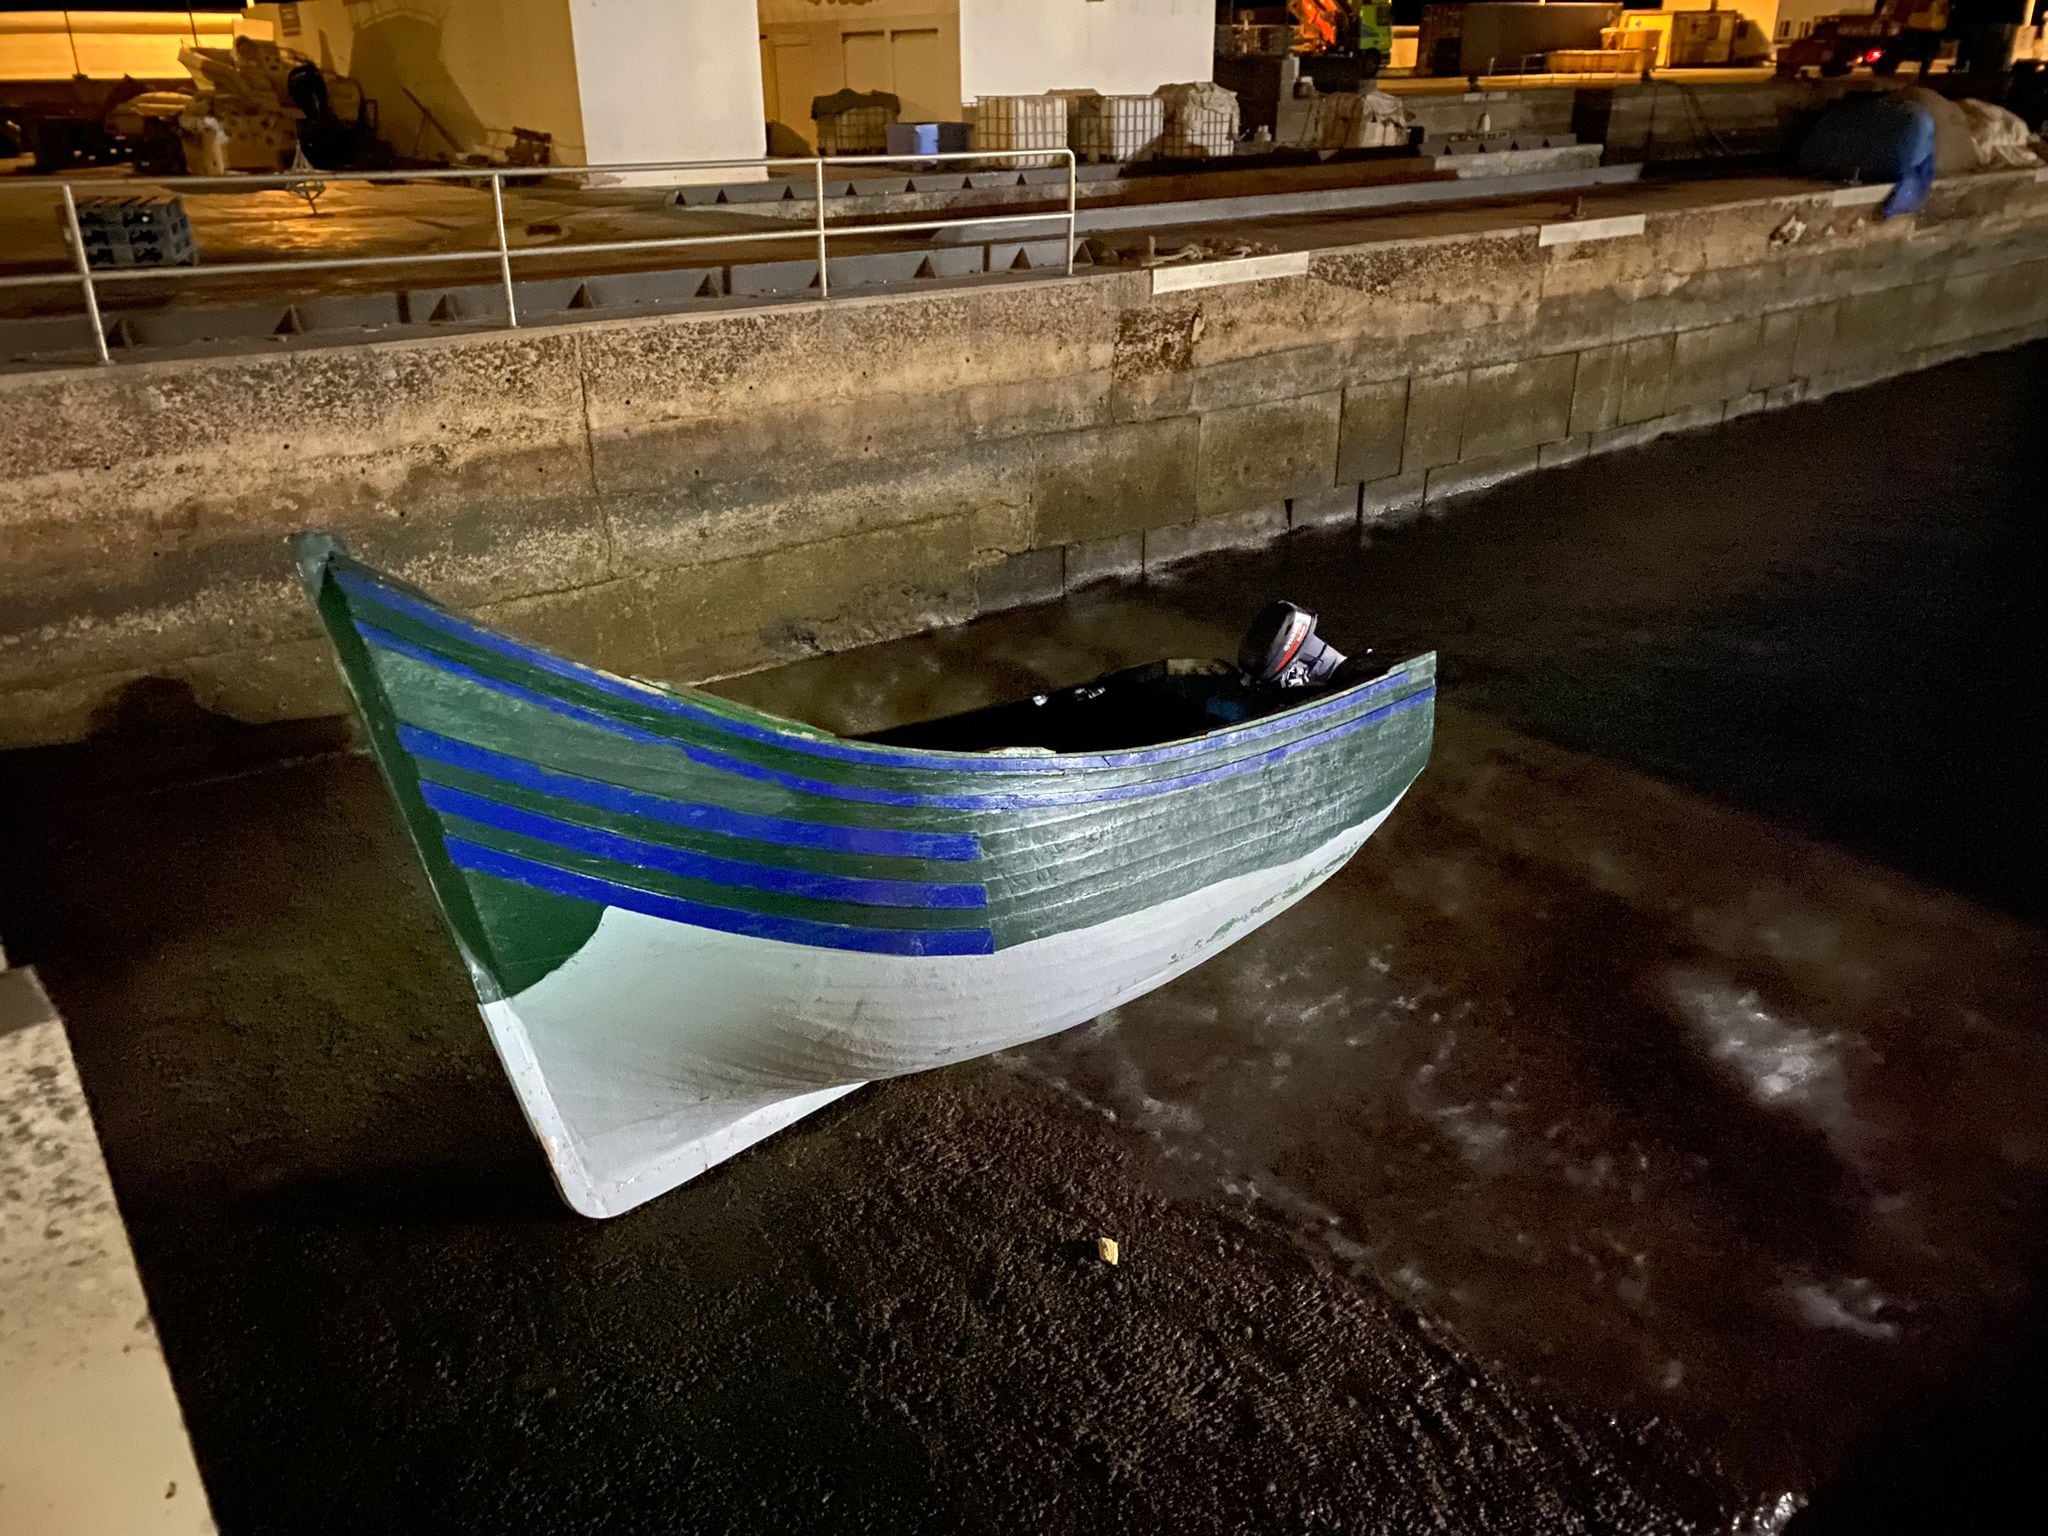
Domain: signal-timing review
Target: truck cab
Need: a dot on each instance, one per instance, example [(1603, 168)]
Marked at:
[(1897, 32)]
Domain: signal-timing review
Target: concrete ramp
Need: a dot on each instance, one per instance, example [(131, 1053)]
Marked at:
[(91, 1439)]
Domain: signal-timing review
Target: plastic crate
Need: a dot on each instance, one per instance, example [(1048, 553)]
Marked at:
[(1115, 127), (1022, 122), (856, 131), (1201, 120), (136, 232), (1199, 133)]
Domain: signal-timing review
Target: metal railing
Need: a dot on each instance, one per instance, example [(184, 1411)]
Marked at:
[(90, 278)]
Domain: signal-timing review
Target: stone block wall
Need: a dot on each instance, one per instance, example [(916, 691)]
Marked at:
[(686, 497)]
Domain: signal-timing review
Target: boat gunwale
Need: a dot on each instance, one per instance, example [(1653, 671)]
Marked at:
[(762, 728), (855, 792)]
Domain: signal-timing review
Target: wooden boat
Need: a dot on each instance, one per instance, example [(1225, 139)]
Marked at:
[(690, 923)]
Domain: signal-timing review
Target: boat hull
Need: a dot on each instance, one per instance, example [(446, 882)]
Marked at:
[(690, 923), (661, 1049)]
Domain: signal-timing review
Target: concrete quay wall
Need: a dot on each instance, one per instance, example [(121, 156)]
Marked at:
[(694, 496), (1667, 118)]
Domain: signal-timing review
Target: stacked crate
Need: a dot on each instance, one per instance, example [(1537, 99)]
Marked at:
[(1022, 122), (1201, 121), (136, 232), (1123, 128), (862, 130)]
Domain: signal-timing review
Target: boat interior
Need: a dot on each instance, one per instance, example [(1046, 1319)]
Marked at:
[(1123, 711), (1281, 664)]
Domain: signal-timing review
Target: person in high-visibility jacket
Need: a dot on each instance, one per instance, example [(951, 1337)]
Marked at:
[(1372, 29)]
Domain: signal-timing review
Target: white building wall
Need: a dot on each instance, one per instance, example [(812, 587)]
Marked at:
[(669, 80), (1118, 47)]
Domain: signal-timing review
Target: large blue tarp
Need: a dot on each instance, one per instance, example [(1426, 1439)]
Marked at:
[(1872, 138)]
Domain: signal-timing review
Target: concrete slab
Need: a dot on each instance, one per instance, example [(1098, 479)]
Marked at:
[(1027, 255), (772, 191), (1645, 379), (875, 269), (771, 277), (1435, 422), (1334, 508), (1118, 557), (1375, 422), (187, 325), (954, 261), (45, 338), (1259, 455), (92, 1442), (653, 290), (1518, 405), (1035, 576), (1247, 528), (1520, 161), (461, 304), (348, 311), (548, 295), (1714, 363), (1596, 390)]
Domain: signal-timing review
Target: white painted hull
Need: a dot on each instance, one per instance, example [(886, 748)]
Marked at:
[(661, 1049)]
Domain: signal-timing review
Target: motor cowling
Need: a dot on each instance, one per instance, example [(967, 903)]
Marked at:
[(1282, 649)]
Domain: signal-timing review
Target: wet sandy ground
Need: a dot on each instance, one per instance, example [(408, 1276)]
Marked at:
[(1647, 1132)]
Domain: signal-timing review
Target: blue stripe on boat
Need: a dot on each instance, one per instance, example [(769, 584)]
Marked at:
[(706, 756), (789, 930), (700, 866), (360, 585), (828, 836), (869, 796)]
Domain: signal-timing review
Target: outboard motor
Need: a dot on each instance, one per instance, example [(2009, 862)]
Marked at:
[(1282, 649)]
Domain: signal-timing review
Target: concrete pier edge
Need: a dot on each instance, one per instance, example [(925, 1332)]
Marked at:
[(91, 1436)]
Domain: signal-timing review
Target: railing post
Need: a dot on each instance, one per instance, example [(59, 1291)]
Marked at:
[(504, 250), (824, 278), (1073, 207), (92, 298)]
